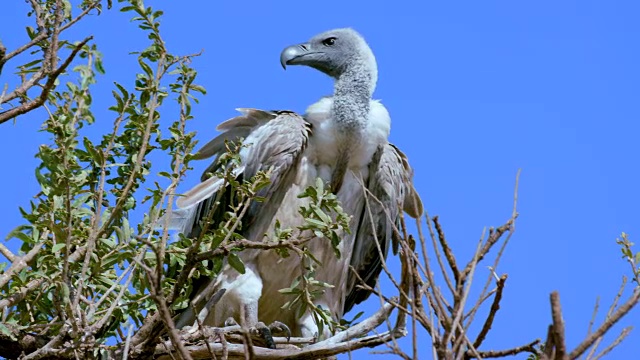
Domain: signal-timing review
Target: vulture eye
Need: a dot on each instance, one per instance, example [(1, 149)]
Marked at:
[(329, 41)]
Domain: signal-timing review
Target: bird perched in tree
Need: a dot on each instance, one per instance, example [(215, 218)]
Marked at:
[(341, 139)]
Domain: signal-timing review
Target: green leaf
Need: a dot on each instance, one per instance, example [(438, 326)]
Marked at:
[(315, 223), (31, 63), (96, 155), (322, 215), (236, 263), (358, 315), (320, 187), (17, 233), (99, 65), (5, 330), (57, 247), (31, 33), (217, 264), (199, 89), (64, 290), (146, 68), (67, 9), (289, 290)]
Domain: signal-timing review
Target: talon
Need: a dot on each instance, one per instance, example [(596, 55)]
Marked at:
[(230, 322), (265, 333), (280, 328)]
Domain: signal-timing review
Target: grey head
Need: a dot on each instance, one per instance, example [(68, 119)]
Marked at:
[(333, 52)]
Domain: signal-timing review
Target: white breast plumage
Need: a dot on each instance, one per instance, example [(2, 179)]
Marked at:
[(323, 143)]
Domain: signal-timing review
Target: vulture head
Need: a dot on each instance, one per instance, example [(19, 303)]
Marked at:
[(334, 52)]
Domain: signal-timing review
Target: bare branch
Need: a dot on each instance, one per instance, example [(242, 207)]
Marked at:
[(615, 343), (3, 59), (495, 306), (347, 340), (558, 327), (614, 303), (622, 311), (593, 315), (531, 348), (447, 250)]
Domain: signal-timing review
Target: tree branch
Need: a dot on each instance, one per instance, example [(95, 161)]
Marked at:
[(48, 86), (495, 306), (347, 340), (558, 327), (622, 311)]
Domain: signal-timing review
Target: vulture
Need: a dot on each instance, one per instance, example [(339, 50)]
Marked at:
[(341, 139)]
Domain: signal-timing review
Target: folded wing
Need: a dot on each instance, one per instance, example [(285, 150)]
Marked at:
[(273, 142), (389, 191)]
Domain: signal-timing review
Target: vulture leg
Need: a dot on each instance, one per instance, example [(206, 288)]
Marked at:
[(309, 328)]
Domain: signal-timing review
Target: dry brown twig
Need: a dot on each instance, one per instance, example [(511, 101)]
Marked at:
[(448, 325), (555, 347)]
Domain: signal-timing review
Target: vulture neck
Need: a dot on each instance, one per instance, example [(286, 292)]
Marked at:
[(350, 112), (351, 97)]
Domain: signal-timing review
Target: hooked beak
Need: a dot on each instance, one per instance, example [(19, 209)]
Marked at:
[(294, 55)]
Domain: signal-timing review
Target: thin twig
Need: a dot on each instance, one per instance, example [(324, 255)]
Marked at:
[(531, 347), (168, 322), (125, 353), (461, 300), (622, 311), (593, 315), (495, 306), (592, 322), (48, 86), (436, 301), (483, 294), (43, 34), (447, 250), (613, 345)]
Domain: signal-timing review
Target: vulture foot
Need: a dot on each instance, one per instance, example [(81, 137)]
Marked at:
[(230, 322), (266, 332), (277, 327)]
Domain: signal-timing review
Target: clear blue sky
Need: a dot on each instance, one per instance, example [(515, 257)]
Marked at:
[(475, 92)]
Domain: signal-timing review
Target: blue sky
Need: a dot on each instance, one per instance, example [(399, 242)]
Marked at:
[(475, 92)]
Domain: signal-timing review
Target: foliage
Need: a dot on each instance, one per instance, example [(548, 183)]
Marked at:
[(306, 288), (89, 264), (89, 272)]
